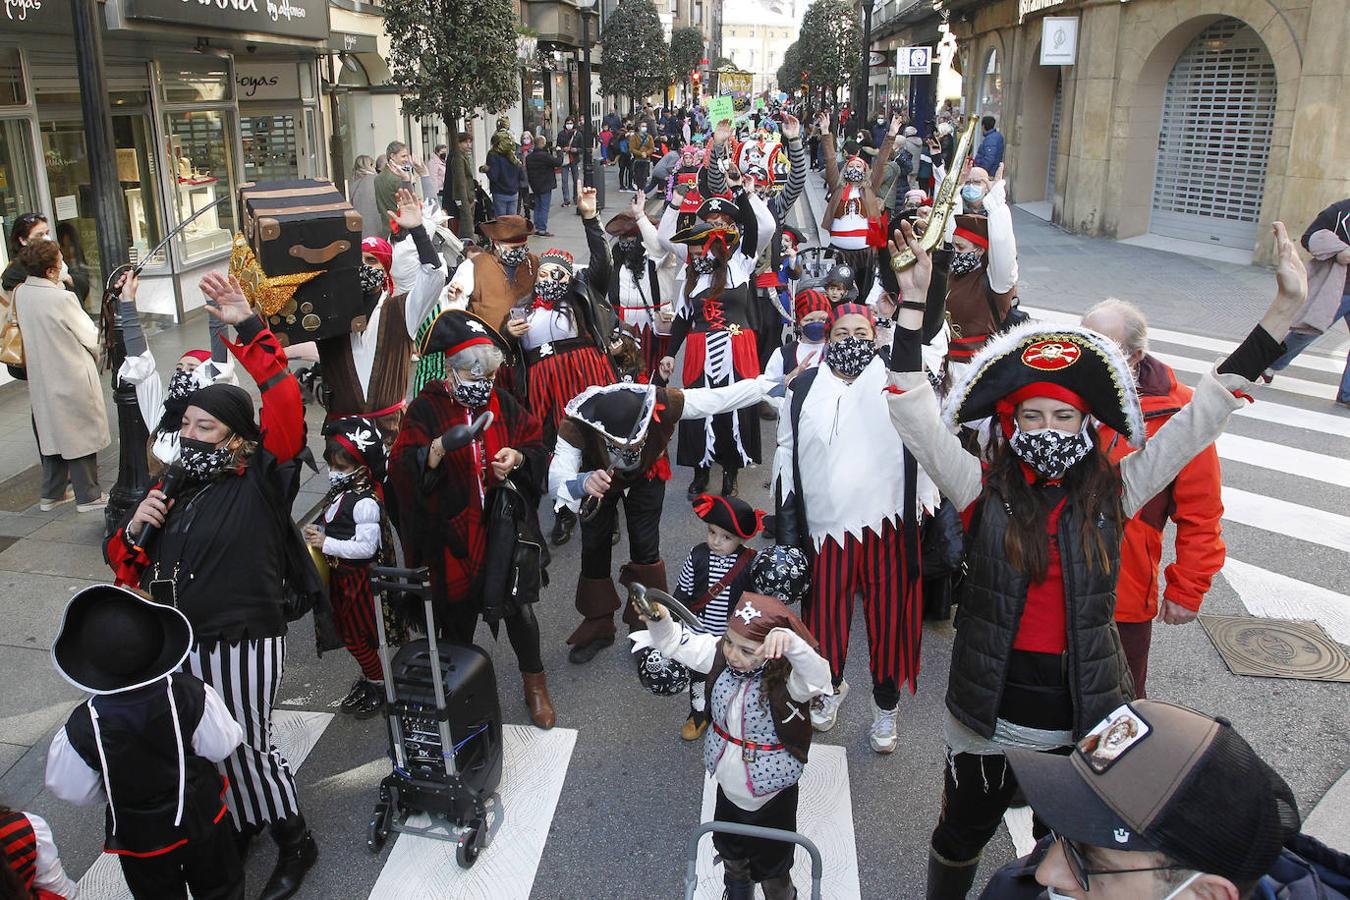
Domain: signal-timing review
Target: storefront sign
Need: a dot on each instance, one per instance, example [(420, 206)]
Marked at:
[(878, 58), (1027, 7), (345, 42), (1059, 41), (914, 61), (267, 81), (285, 18), (23, 11)]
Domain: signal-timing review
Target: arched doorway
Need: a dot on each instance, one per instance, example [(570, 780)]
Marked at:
[(989, 102), (1218, 113), (1033, 155)]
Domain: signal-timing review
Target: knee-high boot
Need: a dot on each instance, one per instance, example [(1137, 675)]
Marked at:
[(652, 575), (948, 880), (596, 601)]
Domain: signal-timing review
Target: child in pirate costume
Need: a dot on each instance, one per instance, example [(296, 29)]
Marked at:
[(351, 536), (717, 321), (839, 286), (851, 496), (612, 447), (761, 677), (1037, 660), (806, 349), (982, 272), (30, 865), (852, 212), (711, 581), (146, 744)]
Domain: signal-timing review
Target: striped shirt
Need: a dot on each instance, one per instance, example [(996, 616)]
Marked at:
[(715, 614)]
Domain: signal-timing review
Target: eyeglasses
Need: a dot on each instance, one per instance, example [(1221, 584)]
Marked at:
[(1078, 865)]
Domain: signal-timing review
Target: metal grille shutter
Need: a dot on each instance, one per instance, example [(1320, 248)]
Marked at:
[(1213, 146), (1055, 112)]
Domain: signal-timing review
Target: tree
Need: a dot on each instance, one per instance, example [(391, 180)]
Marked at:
[(790, 72), (830, 29), (686, 53), (453, 57), (636, 56)]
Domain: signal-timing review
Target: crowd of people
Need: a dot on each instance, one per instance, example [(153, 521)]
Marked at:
[(919, 416)]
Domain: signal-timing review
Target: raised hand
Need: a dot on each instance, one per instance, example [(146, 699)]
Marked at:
[(128, 284), (586, 201), (226, 298), (639, 209), (914, 280), (823, 122), (897, 121), (409, 212), (722, 132), (998, 176), (792, 127), (1291, 281)]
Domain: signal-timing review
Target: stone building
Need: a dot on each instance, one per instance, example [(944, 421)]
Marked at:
[(1190, 125)]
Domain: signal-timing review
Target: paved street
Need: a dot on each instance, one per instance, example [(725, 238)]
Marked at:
[(601, 806)]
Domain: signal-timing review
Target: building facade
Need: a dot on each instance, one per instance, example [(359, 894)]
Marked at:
[(1190, 125), (754, 38)]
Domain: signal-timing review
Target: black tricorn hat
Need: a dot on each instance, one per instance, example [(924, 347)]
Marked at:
[(621, 413), (456, 329), (1068, 362), (113, 640)]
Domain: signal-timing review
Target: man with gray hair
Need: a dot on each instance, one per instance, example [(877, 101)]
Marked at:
[(397, 174), (1193, 501)]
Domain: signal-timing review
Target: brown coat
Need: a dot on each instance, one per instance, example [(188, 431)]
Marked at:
[(835, 182), (493, 296), (388, 378), (60, 344)]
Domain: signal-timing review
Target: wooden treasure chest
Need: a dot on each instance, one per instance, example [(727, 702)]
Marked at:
[(299, 226)]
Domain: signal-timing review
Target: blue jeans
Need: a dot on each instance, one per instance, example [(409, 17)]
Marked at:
[(1297, 343), (504, 204), (571, 174), (541, 201)]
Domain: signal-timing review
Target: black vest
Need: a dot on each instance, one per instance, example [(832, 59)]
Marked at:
[(993, 596), (699, 558), (342, 527), (136, 732)]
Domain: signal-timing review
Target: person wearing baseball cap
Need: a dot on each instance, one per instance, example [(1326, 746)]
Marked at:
[(1145, 806)]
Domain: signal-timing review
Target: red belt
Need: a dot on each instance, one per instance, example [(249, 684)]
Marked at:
[(964, 349), (749, 745)]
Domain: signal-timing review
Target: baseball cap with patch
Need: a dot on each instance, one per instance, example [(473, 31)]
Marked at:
[(1154, 776)]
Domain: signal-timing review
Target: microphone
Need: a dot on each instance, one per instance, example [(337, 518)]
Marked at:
[(174, 478)]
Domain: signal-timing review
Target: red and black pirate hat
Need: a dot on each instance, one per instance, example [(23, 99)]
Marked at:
[(1069, 363), (731, 514)]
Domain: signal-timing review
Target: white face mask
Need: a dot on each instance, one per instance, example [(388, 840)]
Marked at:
[(1053, 894)]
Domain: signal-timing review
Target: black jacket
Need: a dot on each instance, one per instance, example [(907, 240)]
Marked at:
[(541, 170), (993, 596)]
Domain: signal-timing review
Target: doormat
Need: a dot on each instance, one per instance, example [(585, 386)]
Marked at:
[(19, 492), (1277, 648)]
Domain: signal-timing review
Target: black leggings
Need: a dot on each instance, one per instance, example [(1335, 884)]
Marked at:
[(976, 791), (767, 859), (459, 621)]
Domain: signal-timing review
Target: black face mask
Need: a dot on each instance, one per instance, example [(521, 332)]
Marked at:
[(1051, 452), (513, 256), (181, 384), (703, 265), (965, 263), (372, 280), (551, 290), (849, 356), (202, 460)]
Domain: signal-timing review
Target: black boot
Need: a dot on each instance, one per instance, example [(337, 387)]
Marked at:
[(296, 852), (780, 888), (950, 881), (243, 839), (736, 879), (564, 520), (700, 483), (729, 481)]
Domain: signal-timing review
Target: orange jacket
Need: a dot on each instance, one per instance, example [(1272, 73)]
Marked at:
[(1193, 501)]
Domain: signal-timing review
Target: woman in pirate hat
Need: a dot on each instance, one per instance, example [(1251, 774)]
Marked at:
[(442, 483), (1037, 660), (643, 283), (716, 329)]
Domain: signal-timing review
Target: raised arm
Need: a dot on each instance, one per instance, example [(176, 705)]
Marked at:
[(831, 154), (598, 266), (139, 367), (1002, 244), (417, 269), (782, 203), (884, 154)]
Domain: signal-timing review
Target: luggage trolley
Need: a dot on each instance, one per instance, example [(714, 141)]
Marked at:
[(445, 733), (754, 831)]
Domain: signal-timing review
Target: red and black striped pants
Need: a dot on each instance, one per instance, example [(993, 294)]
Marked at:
[(875, 567), (354, 614)]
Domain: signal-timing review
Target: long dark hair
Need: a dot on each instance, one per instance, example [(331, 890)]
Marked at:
[(719, 275), (1093, 486)]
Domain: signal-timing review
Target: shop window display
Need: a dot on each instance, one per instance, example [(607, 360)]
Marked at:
[(200, 150)]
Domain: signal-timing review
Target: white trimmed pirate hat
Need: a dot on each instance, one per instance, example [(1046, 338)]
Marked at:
[(113, 640), (621, 413), (1069, 363)]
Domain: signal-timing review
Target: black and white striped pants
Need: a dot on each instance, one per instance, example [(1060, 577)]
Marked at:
[(247, 675)]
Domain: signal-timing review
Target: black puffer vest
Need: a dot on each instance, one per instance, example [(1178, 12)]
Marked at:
[(993, 596)]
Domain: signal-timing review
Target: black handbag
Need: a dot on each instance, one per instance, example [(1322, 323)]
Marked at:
[(515, 566)]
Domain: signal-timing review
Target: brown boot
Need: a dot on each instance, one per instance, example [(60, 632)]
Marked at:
[(652, 575), (596, 601), (694, 726), (537, 699)]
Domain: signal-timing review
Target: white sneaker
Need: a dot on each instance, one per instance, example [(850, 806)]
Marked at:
[(93, 505), (46, 504), (825, 709), (884, 736)]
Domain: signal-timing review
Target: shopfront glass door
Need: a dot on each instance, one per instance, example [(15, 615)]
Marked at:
[(274, 146), (74, 225), (18, 194)]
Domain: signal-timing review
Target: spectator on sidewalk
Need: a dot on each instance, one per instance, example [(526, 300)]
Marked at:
[(436, 168), (1148, 806), (643, 146), (990, 155), (462, 184), (624, 148), (61, 350), (1192, 502), (398, 173), (541, 171), (505, 175), (1328, 240), (361, 195), (570, 144)]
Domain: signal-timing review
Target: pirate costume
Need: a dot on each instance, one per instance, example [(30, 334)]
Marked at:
[(982, 284), (445, 528), (774, 273), (862, 533), (710, 584), (146, 744), (757, 746), (624, 429), (1037, 661), (491, 285), (353, 526), (717, 332), (853, 215), (226, 557), (27, 848), (636, 288)]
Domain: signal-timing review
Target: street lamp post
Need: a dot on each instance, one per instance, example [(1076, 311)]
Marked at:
[(860, 109), (590, 177)]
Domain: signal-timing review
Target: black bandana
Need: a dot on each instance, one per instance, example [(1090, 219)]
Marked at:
[(964, 263), (1049, 451), (849, 356), (513, 256), (202, 460), (703, 265)]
